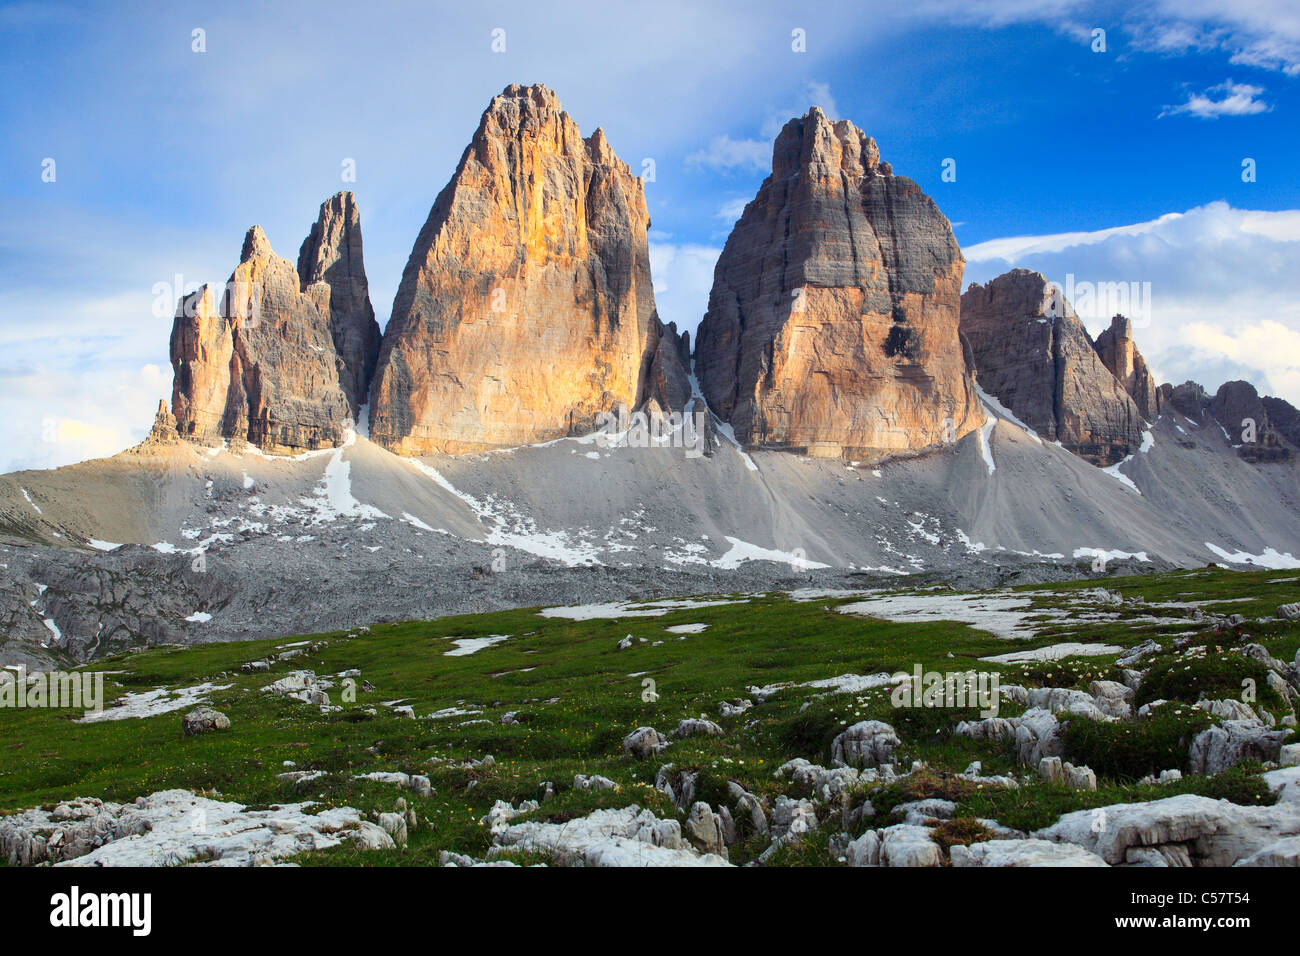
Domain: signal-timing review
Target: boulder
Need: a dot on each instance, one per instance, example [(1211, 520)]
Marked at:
[(696, 726), (202, 720), (905, 844), (1024, 852), (644, 742), (704, 828), (868, 743), (1232, 742), (1213, 832)]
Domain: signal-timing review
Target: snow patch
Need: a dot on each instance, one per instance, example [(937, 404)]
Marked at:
[(1269, 558), (152, 703), (472, 645)]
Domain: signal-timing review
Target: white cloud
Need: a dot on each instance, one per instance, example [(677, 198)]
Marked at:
[(683, 276), (724, 153), (1224, 290), (1234, 99), (730, 210)]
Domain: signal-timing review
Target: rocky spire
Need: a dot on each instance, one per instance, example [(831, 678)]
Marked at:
[(526, 307), (1119, 353), (332, 271), (832, 322), (262, 366)]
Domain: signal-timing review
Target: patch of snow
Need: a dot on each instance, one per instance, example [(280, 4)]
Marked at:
[(102, 545), (742, 551), (54, 628), (1115, 555), (470, 645), (1054, 652), (199, 617), (32, 503), (152, 703), (1001, 615), (1003, 412), (1271, 559), (687, 628), (1114, 472), (590, 612)]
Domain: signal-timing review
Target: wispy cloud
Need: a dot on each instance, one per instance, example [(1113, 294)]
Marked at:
[(1224, 293), (1225, 99), (725, 153)]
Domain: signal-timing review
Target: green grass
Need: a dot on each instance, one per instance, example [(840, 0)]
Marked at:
[(576, 699)]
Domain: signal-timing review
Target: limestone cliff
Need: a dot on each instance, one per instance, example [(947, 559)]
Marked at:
[(1033, 354), (526, 307), (332, 272), (1119, 353), (261, 365), (832, 324)]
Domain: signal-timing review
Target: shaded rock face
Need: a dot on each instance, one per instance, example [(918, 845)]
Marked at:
[(1033, 354), (1187, 399), (832, 322), (1250, 428), (526, 307), (1284, 417), (332, 272), (1119, 353), (262, 367)]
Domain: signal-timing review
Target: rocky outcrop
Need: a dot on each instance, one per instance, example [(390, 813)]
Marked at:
[(332, 271), (1188, 400), (526, 308), (1246, 421), (162, 435), (263, 365), (1119, 353), (1033, 354), (1284, 417), (832, 322)]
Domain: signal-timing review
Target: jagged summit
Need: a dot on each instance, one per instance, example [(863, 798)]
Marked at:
[(332, 270), (284, 360)]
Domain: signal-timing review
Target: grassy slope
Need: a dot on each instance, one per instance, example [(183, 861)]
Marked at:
[(577, 703)]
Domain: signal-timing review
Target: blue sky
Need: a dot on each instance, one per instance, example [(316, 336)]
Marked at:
[(164, 156)]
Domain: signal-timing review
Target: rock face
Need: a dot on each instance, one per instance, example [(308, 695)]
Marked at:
[(526, 308), (1249, 426), (1033, 354), (1119, 353), (832, 322), (332, 271), (1262, 429), (1188, 400), (262, 366)]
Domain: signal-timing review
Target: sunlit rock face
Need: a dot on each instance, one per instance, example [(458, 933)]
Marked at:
[(526, 308), (832, 324)]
